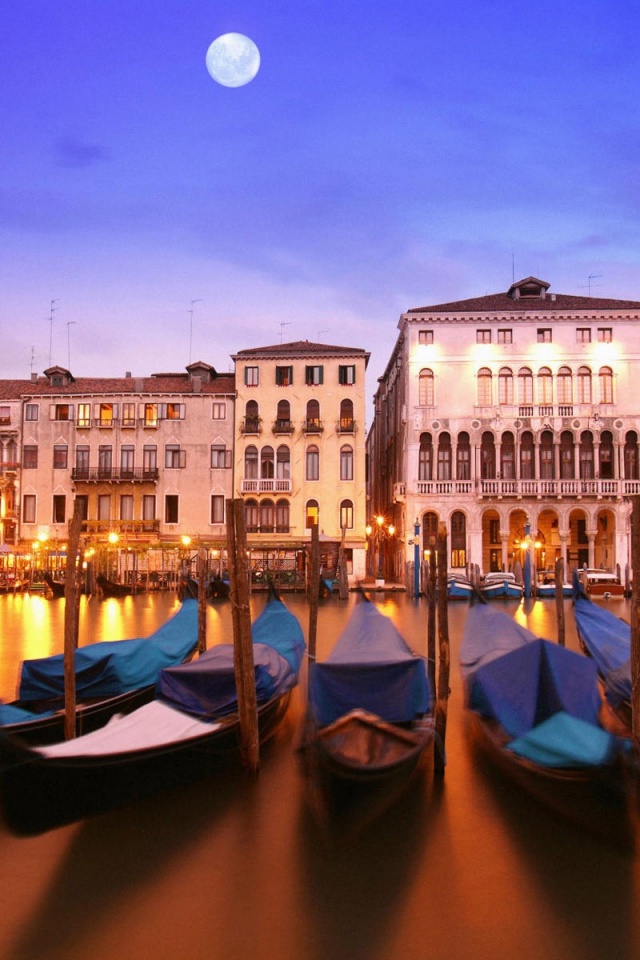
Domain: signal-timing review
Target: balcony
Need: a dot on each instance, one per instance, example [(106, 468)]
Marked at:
[(252, 425), (346, 425), (282, 426), (523, 489), (313, 426), (266, 486), (114, 474), (124, 528)]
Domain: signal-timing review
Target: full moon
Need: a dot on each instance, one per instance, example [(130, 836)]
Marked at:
[(233, 60)]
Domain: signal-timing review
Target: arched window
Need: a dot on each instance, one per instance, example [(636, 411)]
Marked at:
[(425, 389), (487, 457), (525, 385), (584, 385), (251, 463), (547, 468), (484, 387), (346, 463), (266, 463), (312, 512), (565, 385), (631, 456), (251, 515), (507, 456), (605, 377), (346, 515), (283, 462), (527, 459), (267, 516), (444, 456), (567, 457), (585, 454), (505, 386), (458, 539), (463, 456), (282, 516), (545, 386), (346, 416), (606, 455), (312, 461), (283, 415), (313, 415), (252, 417), (425, 457), (429, 531)]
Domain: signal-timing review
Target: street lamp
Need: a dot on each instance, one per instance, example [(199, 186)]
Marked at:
[(378, 531)]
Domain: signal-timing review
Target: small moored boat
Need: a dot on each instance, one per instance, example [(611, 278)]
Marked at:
[(601, 584), (501, 586)]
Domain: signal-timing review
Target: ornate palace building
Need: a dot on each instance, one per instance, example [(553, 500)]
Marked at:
[(506, 414)]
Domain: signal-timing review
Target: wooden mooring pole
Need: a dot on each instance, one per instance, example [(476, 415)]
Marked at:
[(442, 696), (313, 591), (242, 639), (202, 600), (560, 600), (635, 620), (71, 621)]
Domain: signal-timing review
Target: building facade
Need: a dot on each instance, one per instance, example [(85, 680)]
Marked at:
[(514, 419), (300, 452)]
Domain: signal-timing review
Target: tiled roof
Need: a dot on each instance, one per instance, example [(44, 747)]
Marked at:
[(301, 348), (556, 303), (104, 386)]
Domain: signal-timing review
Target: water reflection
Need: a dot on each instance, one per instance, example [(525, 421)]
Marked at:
[(235, 867)]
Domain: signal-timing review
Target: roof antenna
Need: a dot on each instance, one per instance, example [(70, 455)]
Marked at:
[(283, 324), (321, 331), (50, 318), (588, 284), (191, 326)]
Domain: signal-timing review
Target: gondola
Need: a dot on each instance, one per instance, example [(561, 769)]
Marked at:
[(54, 589), (111, 676), (215, 589), (109, 588), (501, 586), (607, 639), (177, 738), (368, 727), (533, 710)]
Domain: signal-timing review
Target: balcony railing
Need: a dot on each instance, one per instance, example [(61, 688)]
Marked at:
[(282, 426), (123, 528), (266, 486), (120, 474), (251, 425), (346, 425), (313, 426), (519, 489)]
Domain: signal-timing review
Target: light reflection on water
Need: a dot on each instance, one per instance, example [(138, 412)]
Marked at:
[(234, 868)]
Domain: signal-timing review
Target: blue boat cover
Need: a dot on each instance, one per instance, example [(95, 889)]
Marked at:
[(111, 667), (206, 687), (607, 638), (528, 685), (370, 667), (566, 741), (9, 713), (489, 633)]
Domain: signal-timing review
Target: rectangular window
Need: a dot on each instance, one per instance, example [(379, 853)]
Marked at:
[(425, 336), (174, 411), (171, 508), (127, 460), (29, 508), (219, 411), (583, 335), (84, 415), (217, 508), (107, 413), (82, 462), (151, 414), (5, 414), (30, 456), (313, 375), (60, 453), (105, 461), (220, 457), (59, 508), (251, 376), (346, 515), (128, 414), (126, 506), (544, 335), (31, 411), (605, 334), (505, 336), (346, 374), (148, 506), (483, 336), (104, 506), (61, 411), (284, 376), (174, 457)]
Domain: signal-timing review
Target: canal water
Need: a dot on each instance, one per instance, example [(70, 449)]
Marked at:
[(235, 868)]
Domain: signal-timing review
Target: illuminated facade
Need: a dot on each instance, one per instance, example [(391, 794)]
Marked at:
[(511, 412), (300, 451)]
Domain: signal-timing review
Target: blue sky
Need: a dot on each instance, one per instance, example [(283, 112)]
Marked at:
[(387, 155)]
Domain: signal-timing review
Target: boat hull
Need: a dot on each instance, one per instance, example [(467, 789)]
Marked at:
[(41, 793)]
